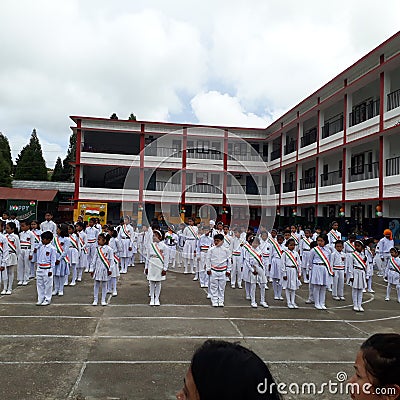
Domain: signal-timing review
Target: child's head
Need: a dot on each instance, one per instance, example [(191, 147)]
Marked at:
[(293, 229), (226, 229), (286, 235), (34, 224), (264, 235), (24, 226), (218, 239), (62, 230), (280, 238), (318, 229), (13, 216), (6, 215), (11, 227), (46, 237), (274, 232), (322, 240), (79, 226), (394, 252), (307, 233), (256, 242), (102, 239), (352, 237), (236, 232), (157, 235), (92, 221), (48, 216), (335, 225), (191, 221), (359, 245), (290, 244), (339, 245), (71, 229)]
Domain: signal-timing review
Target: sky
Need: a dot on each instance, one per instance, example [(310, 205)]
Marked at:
[(221, 62)]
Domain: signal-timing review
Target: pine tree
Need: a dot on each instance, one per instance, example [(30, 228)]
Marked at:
[(31, 165), (68, 169), (132, 117), (6, 164), (58, 171)]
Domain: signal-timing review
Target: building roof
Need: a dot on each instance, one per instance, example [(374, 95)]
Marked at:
[(27, 194), (44, 185)]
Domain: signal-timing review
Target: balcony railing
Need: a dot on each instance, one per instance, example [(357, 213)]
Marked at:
[(332, 178), (275, 154), (332, 125), (309, 137), (364, 112), (308, 183), (164, 186), (204, 155), (290, 147), (203, 188), (363, 172), (236, 189), (162, 152), (393, 100), (393, 166), (289, 187)]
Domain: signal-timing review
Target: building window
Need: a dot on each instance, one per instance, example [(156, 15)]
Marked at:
[(203, 146), (201, 177), (215, 180), (176, 146), (357, 164), (190, 146), (189, 178), (174, 210), (340, 168), (215, 147)]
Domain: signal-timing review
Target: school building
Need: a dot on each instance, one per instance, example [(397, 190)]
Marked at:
[(335, 155)]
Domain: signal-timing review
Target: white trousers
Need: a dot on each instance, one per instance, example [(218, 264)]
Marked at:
[(290, 296), (338, 283), (253, 287), (319, 295), (357, 295), (96, 289), (24, 266), (217, 286), (155, 290), (10, 277), (44, 285), (170, 255), (236, 273)]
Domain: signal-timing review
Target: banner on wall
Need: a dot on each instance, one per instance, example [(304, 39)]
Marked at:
[(88, 210), (24, 209)]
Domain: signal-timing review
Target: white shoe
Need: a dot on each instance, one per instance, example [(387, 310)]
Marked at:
[(79, 279), (3, 291), (323, 307), (152, 302), (329, 289), (203, 286), (308, 301), (306, 281), (220, 304), (54, 293), (248, 298), (360, 309), (276, 298), (233, 286), (266, 287), (157, 302), (342, 298), (94, 303), (239, 286), (209, 296), (336, 298), (195, 278), (39, 303), (186, 272), (371, 291), (295, 305), (280, 298), (318, 307), (387, 298), (19, 283), (45, 303), (264, 304), (24, 283), (86, 270), (214, 304), (254, 305), (364, 291), (114, 294), (103, 303), (66, 283), (61, 293), (290, 305), (72, 284), (9, 292), (355, 308)]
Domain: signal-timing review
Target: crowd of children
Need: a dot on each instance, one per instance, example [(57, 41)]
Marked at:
[(214, 254)]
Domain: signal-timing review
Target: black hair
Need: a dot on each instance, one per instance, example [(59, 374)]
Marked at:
[(219, 236), (47, 235), (289, 241), (111, 229), (334, 222), (352, 236), (72, 226), (25, 222), (395, 249), (313, 244), (6, 212), (48, 212), (248, 376), (226, 226), (81, 224), (13, 226), (249, 235), (339, 242), (36, 222), (381, 354), (324, 237), (13, 215), (63, 230), (159, 234), (360, 242), (105, 237), (369, 241), (287, 231)]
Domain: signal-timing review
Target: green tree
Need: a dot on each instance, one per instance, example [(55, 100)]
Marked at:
[(31, 165), (58, 171), (132, 117), (114, 116), (68, 169), (6, 164)]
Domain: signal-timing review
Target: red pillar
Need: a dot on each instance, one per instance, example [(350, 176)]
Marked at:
[(184, 152), (78, 160)]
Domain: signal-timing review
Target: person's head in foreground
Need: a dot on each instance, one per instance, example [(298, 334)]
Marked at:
[(227, 371), (377, 368)]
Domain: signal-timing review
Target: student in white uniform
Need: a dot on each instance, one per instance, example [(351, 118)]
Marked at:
[(83, 251), (125, 235), (36, 233), (14, 251), (134, 245), (189, 248), (334, 235), (277, 248), (392, 274), (171, 241), (254, 270), (317, 232), (383, 250), (142, 258), (49, 224), (116, 246), (370, 254), (91, 239), (203, 245), (291, 272), (156, 268), (265, 247), (237, 266), (100, 268), (321, 271), (180, 245), (348, 249), (338, 262), (73, 253), (218, 268), (295, 236), (24, 260), (4, 255), (46, 261), (61, 243), (304, 252), (358, 275)]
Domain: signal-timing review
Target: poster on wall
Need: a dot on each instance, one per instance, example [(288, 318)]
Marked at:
[(88, 210), (24, 209)]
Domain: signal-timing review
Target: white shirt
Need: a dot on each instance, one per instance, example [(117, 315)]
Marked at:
[(49, 226)]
